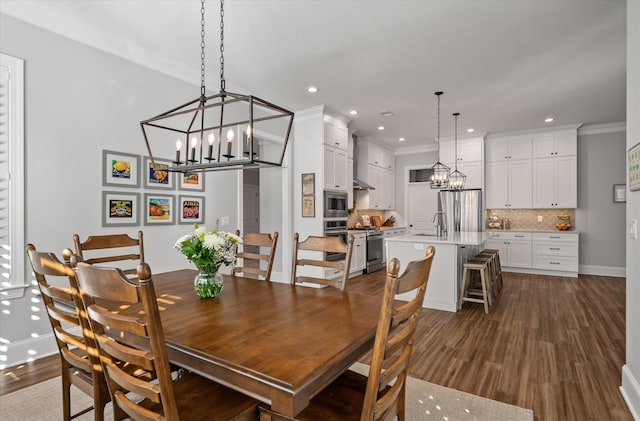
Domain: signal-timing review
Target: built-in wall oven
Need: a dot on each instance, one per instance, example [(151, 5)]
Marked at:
[(335, 204), (335, 227), (375, 257)]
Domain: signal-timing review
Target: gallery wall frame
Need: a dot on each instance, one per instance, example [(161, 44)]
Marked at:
[(158, 176), (120, 209), (120, 169), (634, 167), (190, 210), (159, 209)]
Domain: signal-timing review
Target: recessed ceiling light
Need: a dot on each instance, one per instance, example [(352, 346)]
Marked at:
[(353, 112), (471, 130), (401, 139), (380, 127), (549, 119), (312, 89), (386, 113)]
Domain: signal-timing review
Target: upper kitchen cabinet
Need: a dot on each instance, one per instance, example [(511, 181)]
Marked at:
[(470, 159), (336, 169), (508, 184), (376, 167), (561, 143), (509, 148), (335, 133), (376, 155)]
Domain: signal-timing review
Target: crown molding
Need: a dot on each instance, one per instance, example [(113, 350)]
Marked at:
[(620, 126), (415, 149)]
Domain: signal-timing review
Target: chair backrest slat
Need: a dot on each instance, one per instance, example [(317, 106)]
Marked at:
[(394, 339), (322, 245), (251, 260), (116, 249)]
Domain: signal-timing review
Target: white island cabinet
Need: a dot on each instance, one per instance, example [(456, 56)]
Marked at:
[(451, 252)]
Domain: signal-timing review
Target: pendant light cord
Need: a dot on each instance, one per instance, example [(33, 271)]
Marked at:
[(455, 115), (438, 95), (202, 87), (222, 80)]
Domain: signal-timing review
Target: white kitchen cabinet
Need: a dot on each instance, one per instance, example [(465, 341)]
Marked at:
[(374, 154), (558, 252), (359, 254), (381, 177), (473, 171), (469, 160), (508, 184), (349, 182), (335, 134), (555, 182), (510, 148), (386, 233), (514, 248), (561, 143), (335, 169)]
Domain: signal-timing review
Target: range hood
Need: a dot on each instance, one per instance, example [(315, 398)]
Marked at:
[(357, 183)]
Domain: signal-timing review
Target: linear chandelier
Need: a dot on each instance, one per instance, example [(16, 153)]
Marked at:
[(440, 176), (239, 130)]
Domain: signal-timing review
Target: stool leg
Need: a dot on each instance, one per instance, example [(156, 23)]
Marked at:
[(485, 297), (463, 289)]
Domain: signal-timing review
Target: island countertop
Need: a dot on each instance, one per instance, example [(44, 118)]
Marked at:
[(461, 238)]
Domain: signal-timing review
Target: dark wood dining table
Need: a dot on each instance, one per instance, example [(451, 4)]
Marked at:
[(278, 343)]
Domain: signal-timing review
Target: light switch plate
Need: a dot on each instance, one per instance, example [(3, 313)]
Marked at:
[(633, 230)]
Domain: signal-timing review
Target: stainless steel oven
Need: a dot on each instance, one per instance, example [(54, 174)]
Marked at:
[(375, 257), (335, 204), (335, 227)]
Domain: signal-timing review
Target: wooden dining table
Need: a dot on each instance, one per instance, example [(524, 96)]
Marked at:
[(278, 343)]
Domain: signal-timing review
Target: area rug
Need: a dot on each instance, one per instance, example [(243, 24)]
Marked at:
[(425, 401)]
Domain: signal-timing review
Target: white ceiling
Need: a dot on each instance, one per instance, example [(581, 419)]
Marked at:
[(505, 65)]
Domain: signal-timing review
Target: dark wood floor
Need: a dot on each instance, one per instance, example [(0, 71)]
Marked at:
[(555, 345)]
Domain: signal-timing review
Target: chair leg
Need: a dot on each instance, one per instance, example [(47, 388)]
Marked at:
[(401, 400), (66, 393)]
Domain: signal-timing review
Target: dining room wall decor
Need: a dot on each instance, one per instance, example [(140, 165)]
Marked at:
[(120, 209), (191, 180), (634, 167), (308, 195), (157, 176), (190, 210), (159, 209), (120, 169)]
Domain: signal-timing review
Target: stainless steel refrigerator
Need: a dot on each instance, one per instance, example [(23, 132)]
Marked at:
[(461, 210)]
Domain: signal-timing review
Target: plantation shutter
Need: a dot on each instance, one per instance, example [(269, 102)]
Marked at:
[(5, 238)]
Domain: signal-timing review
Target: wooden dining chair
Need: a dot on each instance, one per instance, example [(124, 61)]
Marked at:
[(327, 246), (112, 250), (135, 338), (381, 394), (80, 365), (252, 259)]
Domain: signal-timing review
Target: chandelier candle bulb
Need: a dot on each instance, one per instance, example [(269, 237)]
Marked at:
[(178, 148), (211, 140), (194, 143)]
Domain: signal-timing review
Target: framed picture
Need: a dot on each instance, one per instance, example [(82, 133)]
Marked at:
[(120, 209), (619, 193), (308, 206), (191, 181), (308, 184), (191, 209), (120, 169), (158, 177), (159, 209), (634, 167)]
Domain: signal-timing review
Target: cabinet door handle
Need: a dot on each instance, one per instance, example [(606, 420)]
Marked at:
[(554, 248), (554, 263), (554, 236)]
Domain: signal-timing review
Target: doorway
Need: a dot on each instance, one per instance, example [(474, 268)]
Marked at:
[(422, 205)]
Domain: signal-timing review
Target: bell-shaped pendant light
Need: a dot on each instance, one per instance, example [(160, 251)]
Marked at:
[(456, 178), (440, 177)]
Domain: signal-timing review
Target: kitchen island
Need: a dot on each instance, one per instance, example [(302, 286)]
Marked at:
[(452, 251)]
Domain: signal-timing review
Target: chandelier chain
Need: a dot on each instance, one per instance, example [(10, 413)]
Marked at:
[(202, 86), (455, 115), (222, 81)]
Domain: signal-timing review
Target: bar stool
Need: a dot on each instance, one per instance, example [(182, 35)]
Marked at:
[(491, 276), (466, 293), (496, 264)]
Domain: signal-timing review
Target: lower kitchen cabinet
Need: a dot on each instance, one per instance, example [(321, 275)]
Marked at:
[(359, 254), (556, 252), (514, 248)]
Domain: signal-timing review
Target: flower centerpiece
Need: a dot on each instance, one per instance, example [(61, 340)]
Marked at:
[(208, 250)]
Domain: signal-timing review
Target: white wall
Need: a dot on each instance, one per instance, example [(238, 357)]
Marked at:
[(631, 370), (79, 101)]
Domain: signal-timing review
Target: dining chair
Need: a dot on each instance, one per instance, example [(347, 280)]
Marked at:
[(335, 255), (79, 360), (252, 259), (381, 394), (111, 249), (135, 338)]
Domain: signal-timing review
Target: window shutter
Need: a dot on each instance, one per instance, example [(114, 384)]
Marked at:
[(5, 239)]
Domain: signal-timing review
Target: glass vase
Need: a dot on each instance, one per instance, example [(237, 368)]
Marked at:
[(208, 285)]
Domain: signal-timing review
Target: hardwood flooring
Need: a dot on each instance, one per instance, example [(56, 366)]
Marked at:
[(555, 345)]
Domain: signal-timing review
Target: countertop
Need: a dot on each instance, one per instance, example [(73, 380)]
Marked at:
[(462, 238), (497, 231)]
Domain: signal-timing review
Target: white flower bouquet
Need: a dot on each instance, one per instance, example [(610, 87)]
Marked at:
[(208, 250)]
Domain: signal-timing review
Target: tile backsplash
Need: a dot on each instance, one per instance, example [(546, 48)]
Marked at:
[(527, 219), (356, 216)]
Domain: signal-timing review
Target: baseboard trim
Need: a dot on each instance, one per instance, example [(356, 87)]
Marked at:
[(540, 272), (27, 350), (619, 272), (630, 390)]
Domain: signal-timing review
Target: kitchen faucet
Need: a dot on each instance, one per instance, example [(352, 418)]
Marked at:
[(441, 225)]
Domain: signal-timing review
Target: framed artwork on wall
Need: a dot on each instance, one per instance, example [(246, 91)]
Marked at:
[(120, 209), (193, 181), (634, 167), (120, 169), (158, 177), (191, 210), (619, 193), (159, 209)]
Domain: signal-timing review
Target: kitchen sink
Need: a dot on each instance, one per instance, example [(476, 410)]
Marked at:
[(425, 235)]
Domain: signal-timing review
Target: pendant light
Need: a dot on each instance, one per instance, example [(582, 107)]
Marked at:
[(456, 178), (440, 176), (254, 132)]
